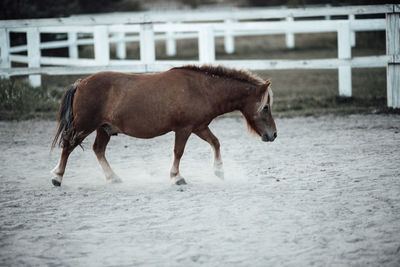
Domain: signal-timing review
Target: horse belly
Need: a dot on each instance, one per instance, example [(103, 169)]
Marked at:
[(143, 130), (142, 122)]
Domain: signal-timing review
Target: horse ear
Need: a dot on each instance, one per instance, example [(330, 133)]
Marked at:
[(264, 87)]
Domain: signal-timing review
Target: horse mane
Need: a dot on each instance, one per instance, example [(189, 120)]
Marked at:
[(221, 71), (267, 98)]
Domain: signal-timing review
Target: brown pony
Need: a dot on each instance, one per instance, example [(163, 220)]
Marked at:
[(184, 100)]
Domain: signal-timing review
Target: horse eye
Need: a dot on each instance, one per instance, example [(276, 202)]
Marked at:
[(265, 109)]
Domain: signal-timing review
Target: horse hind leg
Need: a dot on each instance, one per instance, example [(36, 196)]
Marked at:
[(99, 148), (59, 170), (210, 138), (68, 147)]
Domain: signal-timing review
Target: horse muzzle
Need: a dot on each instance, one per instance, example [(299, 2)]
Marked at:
[(267, 138)]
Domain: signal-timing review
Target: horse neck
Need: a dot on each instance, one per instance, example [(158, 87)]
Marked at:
[(230, 95)]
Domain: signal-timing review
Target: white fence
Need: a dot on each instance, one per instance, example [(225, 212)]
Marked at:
[(204, 25)]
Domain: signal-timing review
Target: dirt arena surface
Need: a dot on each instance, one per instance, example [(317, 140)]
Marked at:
[(326, 192)]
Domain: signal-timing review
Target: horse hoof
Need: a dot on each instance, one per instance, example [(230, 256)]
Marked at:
[(180, 182), (55, 182)]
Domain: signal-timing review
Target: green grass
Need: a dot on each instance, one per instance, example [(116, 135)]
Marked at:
[(315, 106), (19, 100)]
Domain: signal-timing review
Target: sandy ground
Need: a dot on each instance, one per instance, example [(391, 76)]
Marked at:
[(326, 192)]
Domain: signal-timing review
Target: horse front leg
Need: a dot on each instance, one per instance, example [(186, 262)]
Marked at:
[(210, 138), (181, 138)]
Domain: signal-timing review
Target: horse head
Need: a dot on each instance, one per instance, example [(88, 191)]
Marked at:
[(257, 112)]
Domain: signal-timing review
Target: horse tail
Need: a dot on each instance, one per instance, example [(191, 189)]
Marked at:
[(65, 118)]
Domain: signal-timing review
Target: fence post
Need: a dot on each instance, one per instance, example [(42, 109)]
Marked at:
[(147, 46), (72, 44), (344, 52), (34, 53), (170, 44), (352, 18), (289, 35), (393, 51), (101, 45), (206, 45), (328, 17), (4, 50), (229, 37), (121, 46)]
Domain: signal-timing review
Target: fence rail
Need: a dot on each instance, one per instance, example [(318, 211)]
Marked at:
[(146, 28), (197, 16)]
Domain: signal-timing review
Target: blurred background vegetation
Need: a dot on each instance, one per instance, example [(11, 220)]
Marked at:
[(23, 9), (296, 92), (18, 100)]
